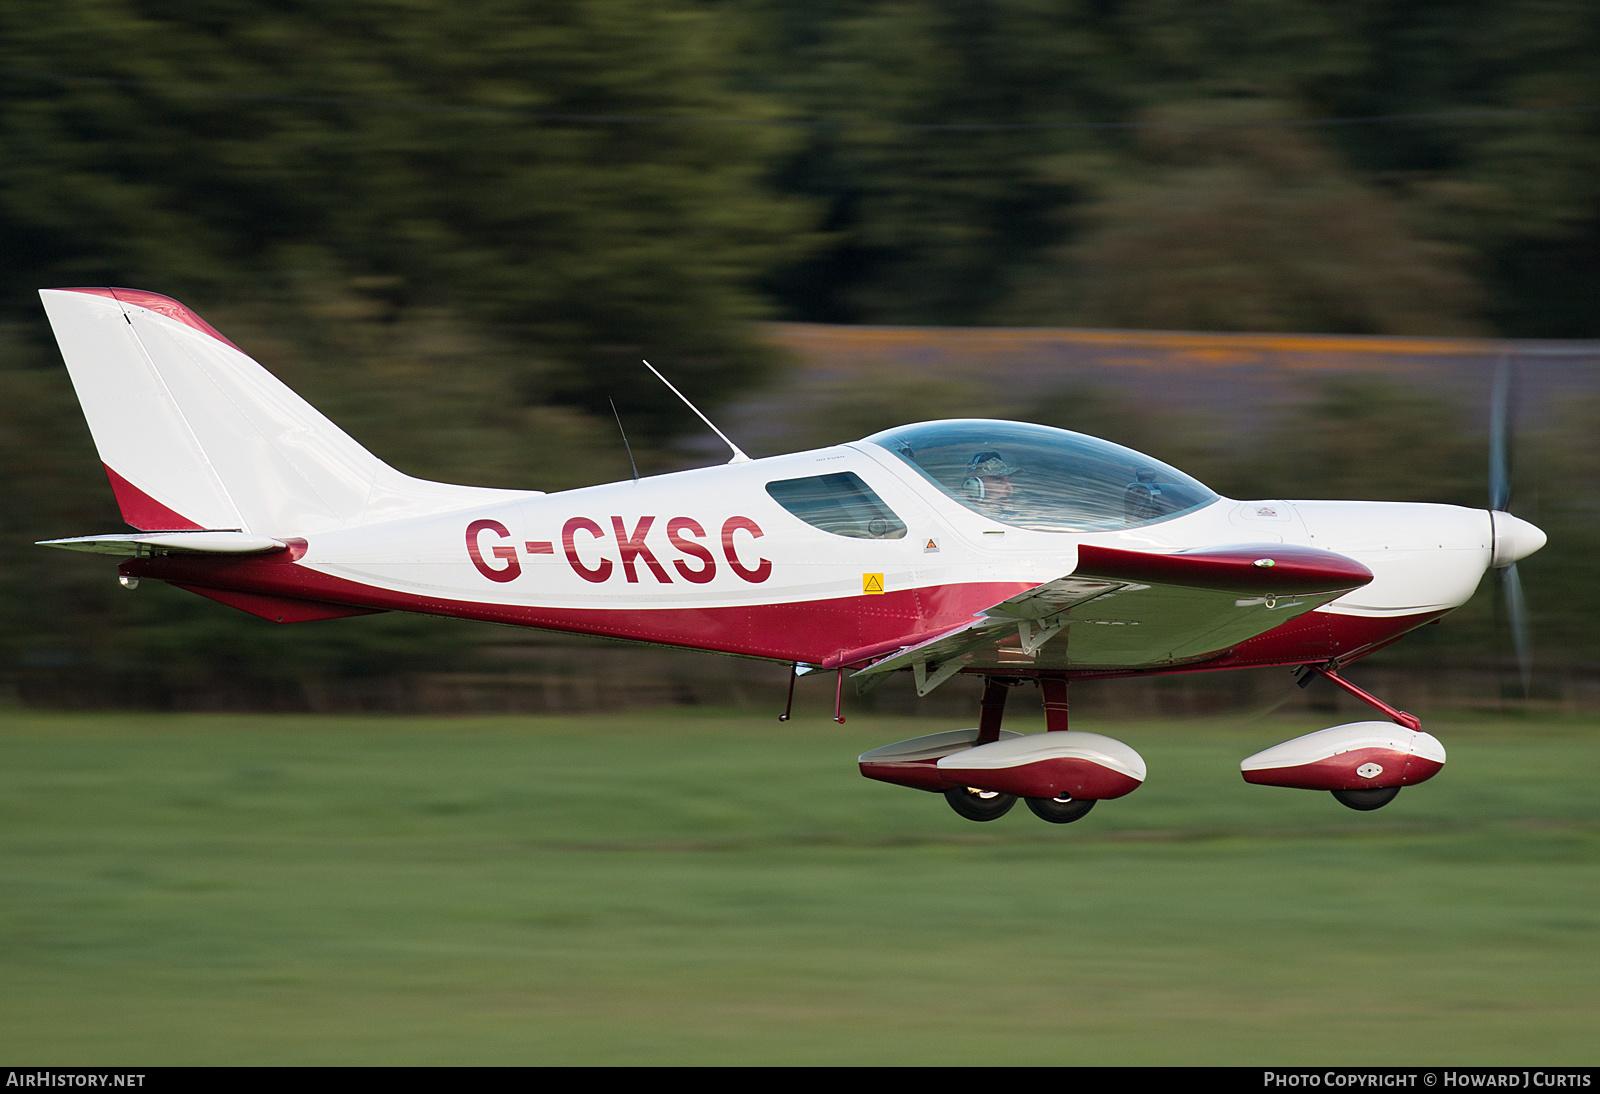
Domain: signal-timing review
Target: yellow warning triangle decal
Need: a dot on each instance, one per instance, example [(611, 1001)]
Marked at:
[(872, 583)]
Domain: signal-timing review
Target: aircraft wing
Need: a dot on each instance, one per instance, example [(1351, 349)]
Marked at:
[(1134, 609)]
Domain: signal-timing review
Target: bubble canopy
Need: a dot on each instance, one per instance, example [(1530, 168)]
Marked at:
[(1044, 479)]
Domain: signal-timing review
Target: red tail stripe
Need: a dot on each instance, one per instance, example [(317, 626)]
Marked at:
[(144, 512), (161, 305)]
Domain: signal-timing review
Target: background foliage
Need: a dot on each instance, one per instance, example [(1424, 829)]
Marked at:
[(1420, 224)]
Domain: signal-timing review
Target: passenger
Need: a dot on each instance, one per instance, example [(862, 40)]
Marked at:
[(988, 480), (1144, 499)]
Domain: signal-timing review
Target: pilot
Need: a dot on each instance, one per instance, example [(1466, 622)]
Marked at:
[(988, 480)]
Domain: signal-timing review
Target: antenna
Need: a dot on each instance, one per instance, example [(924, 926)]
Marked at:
[(624, 433), (738, 453)]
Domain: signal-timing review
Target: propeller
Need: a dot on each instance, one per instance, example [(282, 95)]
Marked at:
[(1508, 530)]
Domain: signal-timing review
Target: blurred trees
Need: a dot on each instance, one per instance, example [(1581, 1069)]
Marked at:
[(1226, 227), (1521, 191), (1198, 200), (929, 225), (389, 151)]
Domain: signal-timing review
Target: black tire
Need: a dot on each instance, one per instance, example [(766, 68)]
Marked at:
[(1376, 798), (1061, 810), (979, 805)]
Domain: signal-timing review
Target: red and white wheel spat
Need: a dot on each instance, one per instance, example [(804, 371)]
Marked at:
[(1357, 756)]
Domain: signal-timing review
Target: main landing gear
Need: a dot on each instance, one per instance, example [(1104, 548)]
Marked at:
[(982, 772), (1363, 764), (1062, 810), (980, 805)]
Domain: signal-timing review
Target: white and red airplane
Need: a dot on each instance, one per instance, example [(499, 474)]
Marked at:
[(1016, 552)]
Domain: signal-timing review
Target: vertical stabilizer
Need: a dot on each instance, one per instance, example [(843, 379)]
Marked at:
[(195, 434)]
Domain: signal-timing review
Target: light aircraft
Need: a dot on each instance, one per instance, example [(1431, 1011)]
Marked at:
[(1020, 553)]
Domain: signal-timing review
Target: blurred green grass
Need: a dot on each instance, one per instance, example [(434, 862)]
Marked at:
[(693, 886)]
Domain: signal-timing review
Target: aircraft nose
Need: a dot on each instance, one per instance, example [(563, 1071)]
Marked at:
[(1514, 539)]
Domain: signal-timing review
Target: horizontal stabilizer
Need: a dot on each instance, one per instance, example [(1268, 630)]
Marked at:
[(159, 543)]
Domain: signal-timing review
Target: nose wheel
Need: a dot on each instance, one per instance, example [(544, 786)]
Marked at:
[(1365, 800), (980, 805)]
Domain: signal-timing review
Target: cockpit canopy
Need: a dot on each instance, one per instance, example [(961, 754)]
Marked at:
[(1044, 479)]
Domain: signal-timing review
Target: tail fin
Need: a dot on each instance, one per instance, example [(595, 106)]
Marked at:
[(195, 434)]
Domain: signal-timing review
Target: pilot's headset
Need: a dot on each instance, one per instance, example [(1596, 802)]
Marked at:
[(984, 465)]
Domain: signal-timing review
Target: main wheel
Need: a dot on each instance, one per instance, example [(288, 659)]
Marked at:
[(1061, 810), (979, 805), (1376, 798)]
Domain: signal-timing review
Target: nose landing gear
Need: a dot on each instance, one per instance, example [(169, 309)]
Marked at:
[(1364, 764), (1366, 799)]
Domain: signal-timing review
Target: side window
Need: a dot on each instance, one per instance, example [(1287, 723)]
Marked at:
[(840, 503)]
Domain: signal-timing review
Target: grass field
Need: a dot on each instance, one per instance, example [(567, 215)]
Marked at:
[(689, 886)]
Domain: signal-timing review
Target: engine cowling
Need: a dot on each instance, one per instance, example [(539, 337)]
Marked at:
[(1356, 756), (1083, 766)]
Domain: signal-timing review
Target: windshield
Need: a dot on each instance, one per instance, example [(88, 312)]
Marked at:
[(1048, 480)]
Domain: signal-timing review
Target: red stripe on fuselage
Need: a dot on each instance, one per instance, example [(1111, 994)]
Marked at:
[(813, 631), (1322, 636), (1310, 639), (847, 631)]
